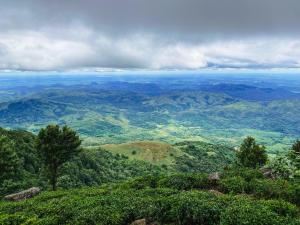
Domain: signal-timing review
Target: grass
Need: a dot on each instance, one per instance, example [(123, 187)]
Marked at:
[(151, 151)]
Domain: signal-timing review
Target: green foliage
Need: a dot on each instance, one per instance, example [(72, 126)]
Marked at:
[(9, 162), (56, 146), (251, 154), (295, 154), (97, 166), (185, 181), (121, 204), (26, 174), (235, 185), (267, 188), (203, 157), (191, 208), (244, 211), (246, 173), (281, 207), (283, 167)]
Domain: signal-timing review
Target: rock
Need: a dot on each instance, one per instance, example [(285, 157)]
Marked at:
[(23, 194), (139, 222), (214, 176), (142, 222), (268, 173), (215, 192)]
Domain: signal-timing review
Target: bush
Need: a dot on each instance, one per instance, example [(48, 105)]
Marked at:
[(150, 181), (17, 219), (235, 185), (244, 211), (292, 193), (194, 207), (247, 173), (267, 189), (185, 181), (281, 207)]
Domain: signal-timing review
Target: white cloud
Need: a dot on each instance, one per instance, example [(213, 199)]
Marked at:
[(77, 48)]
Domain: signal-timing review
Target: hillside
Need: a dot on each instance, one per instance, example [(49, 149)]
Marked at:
[(150, 151), (188, 156), (123, 112), (114, 162), (186, 199)]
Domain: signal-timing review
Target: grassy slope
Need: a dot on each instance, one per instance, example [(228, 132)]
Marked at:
[(188, 156), (151, 151)]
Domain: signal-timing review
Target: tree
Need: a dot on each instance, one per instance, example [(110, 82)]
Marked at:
[(295, 153), (56, 146), (9, 162), (283, 167), (251, 154)]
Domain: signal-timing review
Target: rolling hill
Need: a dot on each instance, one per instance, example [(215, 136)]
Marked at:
[(119, 112)]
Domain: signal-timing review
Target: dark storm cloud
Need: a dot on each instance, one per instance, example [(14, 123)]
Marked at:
[(148, 33), (184, 17)]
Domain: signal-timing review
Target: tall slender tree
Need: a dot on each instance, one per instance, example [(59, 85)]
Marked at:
[(9, 162), (56, 146)]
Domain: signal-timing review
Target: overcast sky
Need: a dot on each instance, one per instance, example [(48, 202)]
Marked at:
[(70, 35)]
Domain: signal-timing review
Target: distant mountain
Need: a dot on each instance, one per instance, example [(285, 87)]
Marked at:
[(220, 113), (252, 93)]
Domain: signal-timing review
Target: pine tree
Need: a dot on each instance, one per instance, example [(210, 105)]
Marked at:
[(9, 162), (56, 146)]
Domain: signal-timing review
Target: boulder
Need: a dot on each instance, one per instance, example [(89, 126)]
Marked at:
[(142, 222), (29, 193), (214, 176), (268, 173), (139, 222), (215, 192)]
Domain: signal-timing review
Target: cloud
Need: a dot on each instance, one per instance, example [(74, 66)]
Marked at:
[(40, 51), (46, 35)]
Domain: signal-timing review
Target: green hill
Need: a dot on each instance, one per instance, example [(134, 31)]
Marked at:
[(120, 116), (154, 152), (188, 156)]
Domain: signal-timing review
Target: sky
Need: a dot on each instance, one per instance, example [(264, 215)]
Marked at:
[(101, 35)]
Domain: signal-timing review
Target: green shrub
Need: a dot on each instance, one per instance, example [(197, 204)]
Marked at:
[(190, 208), (292, 193), (268, 189), (247, 173), (235, 185), (244, 211), (281, 207), (17, 219), (150, 181), (185, 181)]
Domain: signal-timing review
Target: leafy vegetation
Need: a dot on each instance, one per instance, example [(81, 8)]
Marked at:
[(159, 199), (240, 193), (56, 146), (251, 154)]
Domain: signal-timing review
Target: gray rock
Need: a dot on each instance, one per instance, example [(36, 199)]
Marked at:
[(139, 222), (214, 176), (29, 193)]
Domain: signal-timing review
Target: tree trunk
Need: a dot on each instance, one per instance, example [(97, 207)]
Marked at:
[(54, 179)]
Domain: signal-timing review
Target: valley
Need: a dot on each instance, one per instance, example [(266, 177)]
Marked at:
[(107, 110)]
